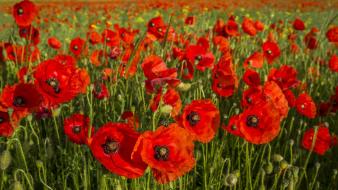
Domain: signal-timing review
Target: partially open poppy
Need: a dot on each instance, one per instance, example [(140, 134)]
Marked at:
[(233, 126), (202, 119), (271, 51), (100, 91), (169, 152), (248, 26), (110, 38), (333, 63), (332, 34), (260, 123), (6, 129), (251, 78), (24, 13), (113, 144), (306, 106), (298, 24), (318, 141), (285, 77), (76, 128), (255, 60), (54, 43), (77, 46)]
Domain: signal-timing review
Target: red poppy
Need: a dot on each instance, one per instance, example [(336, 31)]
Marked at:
[(231, 28), (256, 60), (222, 43), (171, 97), (333, 63), (259, 25), (233, 126), (202, 119), (30, 33), (290, 97), (169, 152), (190, 20), (113, 144), (53, 42), (305, 106), (24, 12), (318, 141), (251, 78), (76, 128), (332, 34), (59, 82), (251, 96), (6, 128), (110, 38), (126, 35), (224, 79), (199, 54), (248, 26), (158, 29), (132, 120), (298, 24), (260, 123), (271, 51), (100, 91), (94, 37), (310, 39), (77, 46), (273, 93), (285, 77)]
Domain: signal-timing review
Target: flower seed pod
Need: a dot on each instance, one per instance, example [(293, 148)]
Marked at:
[(184, 87), (283, 165), (166, 109), (268, 168), (5, 159), (17, 186), (277, 158), (231, 180)]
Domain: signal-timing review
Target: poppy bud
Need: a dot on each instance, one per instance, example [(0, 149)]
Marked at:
[(317, 165), (268, 168), (283, 165), (262, 187), (5, 159), (231, 180), (285, 182), (184, 86), (39, 164), (166, 109), (292, 142), (17, 185), (277, 158)]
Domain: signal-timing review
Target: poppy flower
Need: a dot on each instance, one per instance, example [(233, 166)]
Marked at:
[(190, 20), (285, 77), (251, 78), (231, 28), (76, 128), (199, 54), (298, 24), (54, 43), (256, 60), (30, 33), (260, 123), (224, 79), (222, 43), (219, 27), (332, 34), (100, 91), (259, 25), (306, 106), (333, 63), (310, 39), (169, 152), (94, 37), (21, 74), (251, 96), (110, 38), (24, 12), (96, 57), (132, 120), (6, 128), (290, 97), (318, 141), (202, 119), (59, 82), (273, 93), (113, 144), (22, 97), (170, 97), (158, 28), (248, 26), (271, 51), (77, 46), (233, 126)]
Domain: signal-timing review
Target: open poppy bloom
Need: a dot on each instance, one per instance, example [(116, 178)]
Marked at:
[(77, 46), (76, 128), (305, 106), (318, 141), (110, 38), (169, 152), (231, 28), (285, 77), (222, 43), (251, 78), (271, 51), (190, 20), (100, 91), (233, 126), (310, 39), (251, 96), (126, 35), (59, 82), (298, 24), (260, 123), (158, 29), (333, 63), (30, 33), (24, 13), (332, 34), (94, 37), (259, 25), (199, 54), (202, 119), (224, 79), (113, 144), (248, 26), (274, 94), (255, 60)]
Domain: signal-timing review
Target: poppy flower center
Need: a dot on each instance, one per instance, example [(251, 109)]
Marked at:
[(108, 39), (54, 83), (110, 146), (302, 106), (252, 121), (152, 24), (20, 11), (123, 35), (250, 62), (159, 29), (193, 118), (161, 153), (75, 47), (1, 120), (269, 52), (76, 129), (249, 100), (198, 58), (19, 101), (234, 127)]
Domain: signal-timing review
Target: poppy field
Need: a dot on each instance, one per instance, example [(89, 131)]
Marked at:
[(169, 95)]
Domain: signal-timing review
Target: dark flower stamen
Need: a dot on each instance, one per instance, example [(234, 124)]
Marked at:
[(54, 84), (252, 121), (75, 47), (193, 118), (1, 120), (110, 146), (19, 101), (198, 58), (76, 129), (161, 153), (20, 11)]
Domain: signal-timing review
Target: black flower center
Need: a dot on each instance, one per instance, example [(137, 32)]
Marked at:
[(252, 121), (76, 129), (75, 47), (161, 153), (193, 118), (108, 39), (152, 24), (2, 120), (123, 35), (269, 52), (159, 29), (54, 83), (110, 146), (19, 101), (249, 100), (198, 57), (20, 11), (234, 127)]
